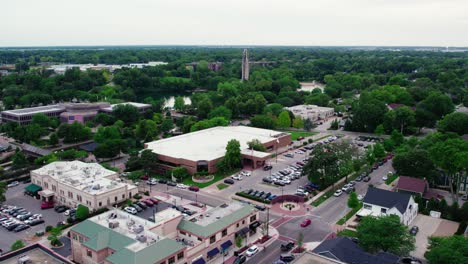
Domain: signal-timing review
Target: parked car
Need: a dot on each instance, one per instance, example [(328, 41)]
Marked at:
[(13, 184), (194, 188), (144, 177), (287, 257), (20, 228), (384, 178), (409, 260), (414, 230), (288, 246), (130, 210), (300, 138), (251, 251), (47, 205), (170, 183), (267, 180), (360, 197), (267, 167), (246, 173), (338, 193), (142, 205), (306, 222), (151, 181), (366, 179), (155, 201), (60, 208), (237, 177), (148, 202), (69, 211), (162, 181), (229, 181), (138, 208), (36, 222), (181, 186), (289, 155), (240, 259)]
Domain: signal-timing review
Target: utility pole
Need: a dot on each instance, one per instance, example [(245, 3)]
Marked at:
[(268, 221)]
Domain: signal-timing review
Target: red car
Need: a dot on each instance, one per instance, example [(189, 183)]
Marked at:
[(306, 222), (47, 205), (194, 188), (300, 138), (144, 177), (148, 202), (300, 163), (153, 200)]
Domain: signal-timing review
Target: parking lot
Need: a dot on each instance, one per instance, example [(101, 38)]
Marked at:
[(15, 196)]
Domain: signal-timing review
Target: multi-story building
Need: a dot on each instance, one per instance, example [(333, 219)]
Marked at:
[(312, 112), (68, 112), (74, 182), (24, 116), (120, 238), (208, 147)]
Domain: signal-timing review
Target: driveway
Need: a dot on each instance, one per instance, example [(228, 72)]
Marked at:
[(430, 226)]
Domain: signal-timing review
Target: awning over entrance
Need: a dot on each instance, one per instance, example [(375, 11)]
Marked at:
[(254, 225), (243, 231), (199, 261), (213, 252), (226, 245), (33, 188), (46, 193)]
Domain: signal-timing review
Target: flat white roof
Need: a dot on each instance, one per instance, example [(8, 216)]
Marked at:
[(137, 105), (210, 144), (91, 178), (217, 213), (309, 108), (35, 110)]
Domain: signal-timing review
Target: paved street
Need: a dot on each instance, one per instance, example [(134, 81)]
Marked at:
[(269, 255), (335, 208)]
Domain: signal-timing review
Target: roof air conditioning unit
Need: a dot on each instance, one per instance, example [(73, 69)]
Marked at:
[(113, 225), (142, 238)]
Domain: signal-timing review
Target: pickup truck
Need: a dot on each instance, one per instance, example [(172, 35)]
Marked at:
[(288, 246)]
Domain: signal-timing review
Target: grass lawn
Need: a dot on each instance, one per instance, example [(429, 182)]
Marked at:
[(217, 176), (322, 198), (391, 178), (348, 233), (297, 134), (222, 186), (349, 215)]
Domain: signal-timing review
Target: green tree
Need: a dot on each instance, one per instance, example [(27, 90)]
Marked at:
[(127, 113), (308, 124), (262, 121), (149, 160), (179, 103), (239, 241), (3, 189), (298, 122), (353, 201), (167, 125), (379, 151), (385, 233), (454, 122), (334, 125), (41, 120), (273, 109), (19, 160), (106, 133), (180, 173), (204, 107), (17, 245), (82, 212), (300, 240), (53, 139), (399, 118), (438, 104), (414, 163), (221, 111), (447, 250), (284, 121), (255, 144), (232, 159), (379, 130), (146, 130)]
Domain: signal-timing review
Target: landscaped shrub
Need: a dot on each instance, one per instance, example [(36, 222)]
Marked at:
[(48, 228), (137, 196)]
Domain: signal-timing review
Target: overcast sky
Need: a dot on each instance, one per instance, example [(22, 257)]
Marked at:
[(234, 22)]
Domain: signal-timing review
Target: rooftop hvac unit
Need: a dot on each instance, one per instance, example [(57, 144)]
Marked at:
[(137, 229), (113, 225), (142, 238), (96, 187)]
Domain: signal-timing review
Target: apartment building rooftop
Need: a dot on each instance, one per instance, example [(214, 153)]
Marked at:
[(137, 105), (133, 239), (216, 219), (88, 177)]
